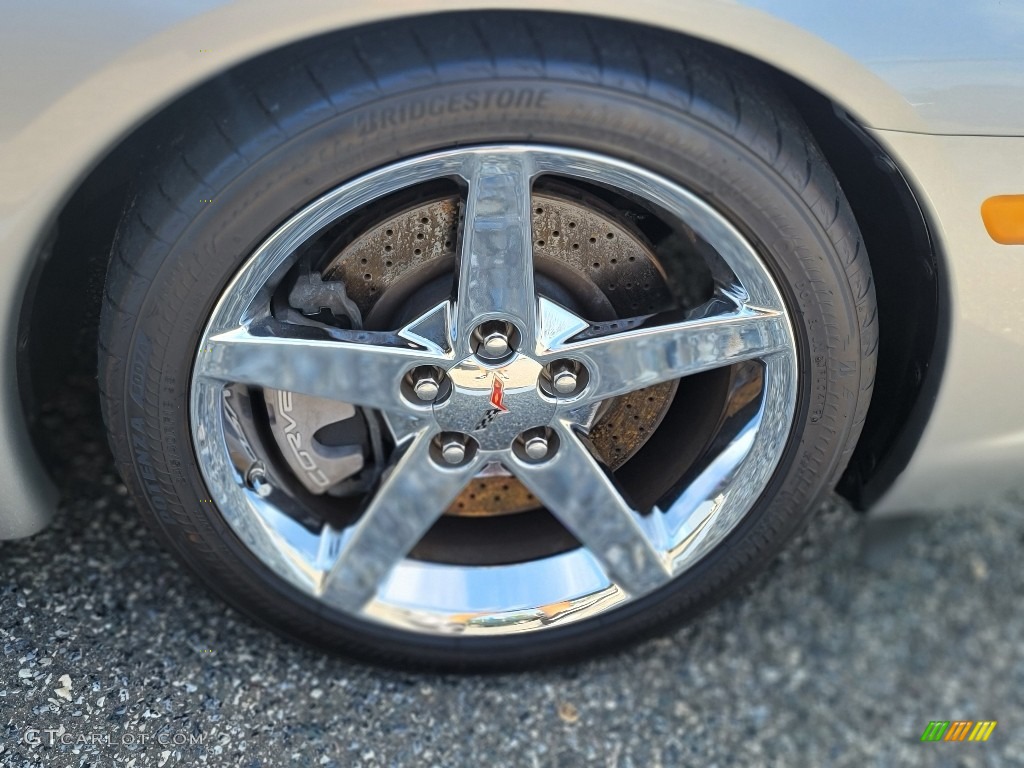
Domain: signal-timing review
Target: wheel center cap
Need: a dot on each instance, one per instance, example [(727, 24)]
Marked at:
[(494, 403)]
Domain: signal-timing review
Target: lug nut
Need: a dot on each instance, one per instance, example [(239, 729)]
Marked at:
[(496, 345), (537, 444), (258, 482), (566, 377), (426, 388), (494, 337), (424, 383), (453, 450), (536, 447), (564, 382)]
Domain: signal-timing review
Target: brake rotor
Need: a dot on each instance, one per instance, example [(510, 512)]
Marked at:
[(605, 266)]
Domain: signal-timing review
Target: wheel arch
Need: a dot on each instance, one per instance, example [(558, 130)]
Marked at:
[(84, 220)]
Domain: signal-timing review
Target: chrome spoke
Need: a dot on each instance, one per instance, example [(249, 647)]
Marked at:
[(361, 374), (631, 360), (495, 278), (414, 494), (582, 495)]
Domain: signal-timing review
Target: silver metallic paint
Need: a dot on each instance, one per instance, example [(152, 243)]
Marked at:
[(973, 447)]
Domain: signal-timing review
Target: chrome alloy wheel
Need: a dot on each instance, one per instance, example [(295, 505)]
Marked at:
[(498, 379)]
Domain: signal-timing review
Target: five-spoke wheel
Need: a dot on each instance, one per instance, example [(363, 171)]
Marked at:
[(497, 379)]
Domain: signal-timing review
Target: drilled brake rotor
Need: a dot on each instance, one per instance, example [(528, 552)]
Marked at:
[(603, 266)]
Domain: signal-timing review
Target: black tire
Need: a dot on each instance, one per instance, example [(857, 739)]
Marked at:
[(276, 133)]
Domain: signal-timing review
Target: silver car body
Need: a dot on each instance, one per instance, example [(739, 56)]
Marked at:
[(941, 89)]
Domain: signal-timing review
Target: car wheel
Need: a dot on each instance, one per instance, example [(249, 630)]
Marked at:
[(481, 342)]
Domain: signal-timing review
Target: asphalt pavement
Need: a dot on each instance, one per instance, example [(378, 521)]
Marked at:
[(858, 635)]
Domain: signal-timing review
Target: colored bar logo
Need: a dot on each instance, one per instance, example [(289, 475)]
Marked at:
[(959, 730)]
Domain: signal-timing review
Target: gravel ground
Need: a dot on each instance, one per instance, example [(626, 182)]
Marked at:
[(857, 636)]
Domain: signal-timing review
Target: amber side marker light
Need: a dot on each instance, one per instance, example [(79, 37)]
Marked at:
[(1004, 218)]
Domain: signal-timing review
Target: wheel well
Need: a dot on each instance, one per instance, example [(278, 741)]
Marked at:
[(69, 277), (910, 286)]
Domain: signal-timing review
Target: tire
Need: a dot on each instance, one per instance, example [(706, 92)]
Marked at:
[(248, 150)]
